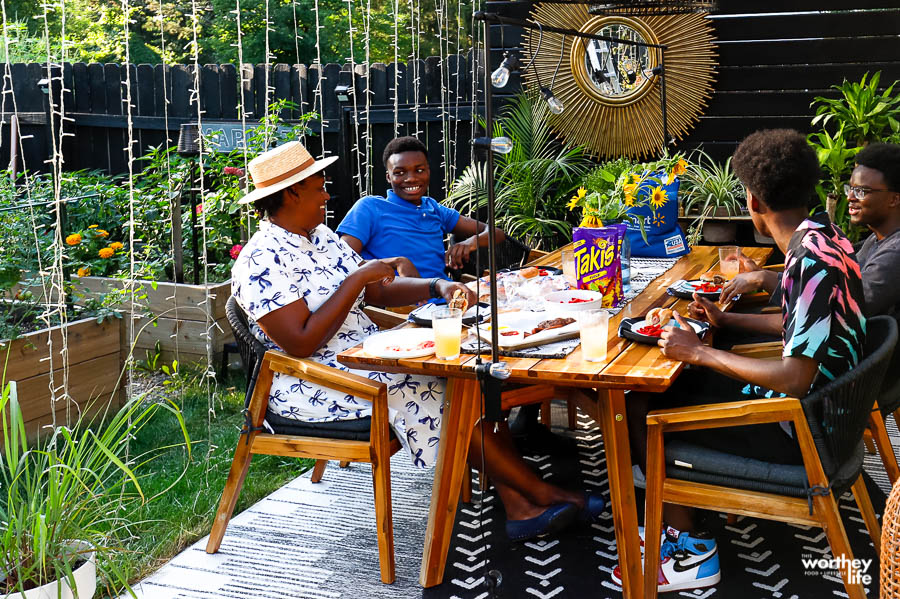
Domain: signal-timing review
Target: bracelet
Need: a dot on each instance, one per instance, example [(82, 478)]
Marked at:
[(432, 287)]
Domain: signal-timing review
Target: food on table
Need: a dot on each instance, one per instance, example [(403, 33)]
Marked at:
[(714, 278), (597, 262), (409, 348), (529, 272), (651, 330), (459, 300), (546, 325), (659, 316), (707, 287)]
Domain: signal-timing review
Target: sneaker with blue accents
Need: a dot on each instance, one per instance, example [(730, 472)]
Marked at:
[(686, 562)]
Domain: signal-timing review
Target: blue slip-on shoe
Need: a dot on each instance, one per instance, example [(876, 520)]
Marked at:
[(594, 504), (554, 519)]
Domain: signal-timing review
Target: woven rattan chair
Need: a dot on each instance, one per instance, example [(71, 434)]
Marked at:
[(890, 546), (364, 440), (828, 425)]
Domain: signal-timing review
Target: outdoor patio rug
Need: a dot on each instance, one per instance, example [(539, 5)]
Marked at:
[(318, 542)]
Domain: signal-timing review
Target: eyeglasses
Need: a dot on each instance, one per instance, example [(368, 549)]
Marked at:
[(860, 193)]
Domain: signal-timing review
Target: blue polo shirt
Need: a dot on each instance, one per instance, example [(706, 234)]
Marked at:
[(392, 226)]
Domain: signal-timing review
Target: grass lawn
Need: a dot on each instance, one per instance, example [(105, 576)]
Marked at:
[(168, 524)]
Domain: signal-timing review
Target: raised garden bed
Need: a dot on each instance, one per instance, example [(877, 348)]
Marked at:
[(95, 359), (182, 328)]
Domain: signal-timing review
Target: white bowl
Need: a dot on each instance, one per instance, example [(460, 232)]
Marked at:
[(560, 300)]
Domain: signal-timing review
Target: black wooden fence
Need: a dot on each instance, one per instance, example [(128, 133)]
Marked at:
[(774, 58)]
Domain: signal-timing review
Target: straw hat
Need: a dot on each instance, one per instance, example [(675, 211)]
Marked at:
[(281, 167)]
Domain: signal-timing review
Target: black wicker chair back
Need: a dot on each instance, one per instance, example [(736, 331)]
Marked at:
[(889, 397), (838, 412), (249, 347)]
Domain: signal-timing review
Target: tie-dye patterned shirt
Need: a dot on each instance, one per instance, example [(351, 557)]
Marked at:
[(823, 301)]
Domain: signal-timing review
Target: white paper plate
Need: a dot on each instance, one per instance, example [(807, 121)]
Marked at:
[(558, 301), (401, 343)]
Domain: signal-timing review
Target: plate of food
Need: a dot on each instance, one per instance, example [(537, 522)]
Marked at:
[(649, 328), (530, 272), (708, 286), (573, 300), (423, 314), (400, 343), (521, 329)]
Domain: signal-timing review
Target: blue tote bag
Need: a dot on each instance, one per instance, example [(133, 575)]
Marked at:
[(665, 239)]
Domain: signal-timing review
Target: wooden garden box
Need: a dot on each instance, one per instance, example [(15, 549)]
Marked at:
[(95, 363), (181, 309)]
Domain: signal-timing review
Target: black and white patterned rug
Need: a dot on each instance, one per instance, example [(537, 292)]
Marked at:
[(318, 542)]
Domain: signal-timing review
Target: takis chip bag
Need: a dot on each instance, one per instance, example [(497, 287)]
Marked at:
[(597, 262)]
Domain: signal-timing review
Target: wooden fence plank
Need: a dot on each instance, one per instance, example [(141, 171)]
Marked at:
[(210, 96), (282, 86), (228, 87)]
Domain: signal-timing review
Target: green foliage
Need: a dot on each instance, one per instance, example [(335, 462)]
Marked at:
[(706, 186), (164, 31), (531, 183), (861, 114), (81, 484)]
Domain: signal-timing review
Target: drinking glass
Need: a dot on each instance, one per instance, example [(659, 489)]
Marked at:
[(594, 328), (729, 261), (568, 267), (447, 326)]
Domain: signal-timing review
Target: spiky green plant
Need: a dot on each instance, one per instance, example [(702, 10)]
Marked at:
[(864, 113), (532, 183)]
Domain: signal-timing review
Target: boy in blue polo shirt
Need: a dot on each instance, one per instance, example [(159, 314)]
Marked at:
[(408, 222)]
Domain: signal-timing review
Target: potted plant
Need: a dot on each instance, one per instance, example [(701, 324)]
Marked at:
[(836, 160), (531, 183), (712, 196), (609, 191), (65, 502)]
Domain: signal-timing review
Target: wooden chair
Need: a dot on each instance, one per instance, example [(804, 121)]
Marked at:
[(829, 425), (363, 440)]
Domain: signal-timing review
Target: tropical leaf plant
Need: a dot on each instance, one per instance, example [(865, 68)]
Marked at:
[(836, 160), (532, 183), (864, 113)]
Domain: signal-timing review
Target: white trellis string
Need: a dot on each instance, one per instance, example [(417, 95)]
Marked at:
[(366, 187), (246, 212), (355, 146), (413, 64), (395, 4)]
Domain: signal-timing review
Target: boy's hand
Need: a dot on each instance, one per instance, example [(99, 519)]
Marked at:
[(680, 343)]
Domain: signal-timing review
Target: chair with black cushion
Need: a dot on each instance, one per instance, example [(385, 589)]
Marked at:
[(511, 253), (363, 440), (828, 424)]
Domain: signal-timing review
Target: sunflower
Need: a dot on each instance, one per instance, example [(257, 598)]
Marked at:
[(73, 239), (630, 189), (576, 199), (116, 246), (658, 197), (106, 253), (83, 271), (591, 221)]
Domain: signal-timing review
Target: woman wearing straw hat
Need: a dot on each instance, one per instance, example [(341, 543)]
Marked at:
[(302, 289)]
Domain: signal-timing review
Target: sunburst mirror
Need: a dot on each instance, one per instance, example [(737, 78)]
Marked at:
[(610, 90)]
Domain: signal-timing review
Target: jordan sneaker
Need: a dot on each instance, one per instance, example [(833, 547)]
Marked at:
[(686, 562)]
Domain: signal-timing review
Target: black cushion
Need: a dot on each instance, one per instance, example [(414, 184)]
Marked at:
[(703, 465), (347, 430)]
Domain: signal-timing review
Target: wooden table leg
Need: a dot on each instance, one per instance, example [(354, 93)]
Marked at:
[(614, 425), (461, 410)]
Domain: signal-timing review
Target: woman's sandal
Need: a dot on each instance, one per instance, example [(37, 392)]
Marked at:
[(554, 519)]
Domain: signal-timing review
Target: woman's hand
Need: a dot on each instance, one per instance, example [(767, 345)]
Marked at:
[(680, 343), (403, 266), (375, 270), (703, 309), (448, 288), (458, 255)]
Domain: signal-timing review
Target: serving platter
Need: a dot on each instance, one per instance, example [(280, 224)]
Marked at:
[(400, 343), (423, 314), (629, 328), (515, 329)]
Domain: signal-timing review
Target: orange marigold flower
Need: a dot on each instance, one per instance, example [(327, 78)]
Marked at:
[(83, 271), (93, 226), (106, 252), (102, 233), (73, 239), (116, 246), (680, 167)]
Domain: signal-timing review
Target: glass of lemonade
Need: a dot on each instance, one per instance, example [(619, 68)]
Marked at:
[(729, 261), (594, 328), (447, 326), (568, 267)]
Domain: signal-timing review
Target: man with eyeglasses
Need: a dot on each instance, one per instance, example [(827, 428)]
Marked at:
[(874, 201)]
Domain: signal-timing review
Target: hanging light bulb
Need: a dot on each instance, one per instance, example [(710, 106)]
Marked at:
[(556, 107), (500, 77), (500, 145)]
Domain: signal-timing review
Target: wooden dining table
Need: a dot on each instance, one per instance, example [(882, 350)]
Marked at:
[(598, 388)]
